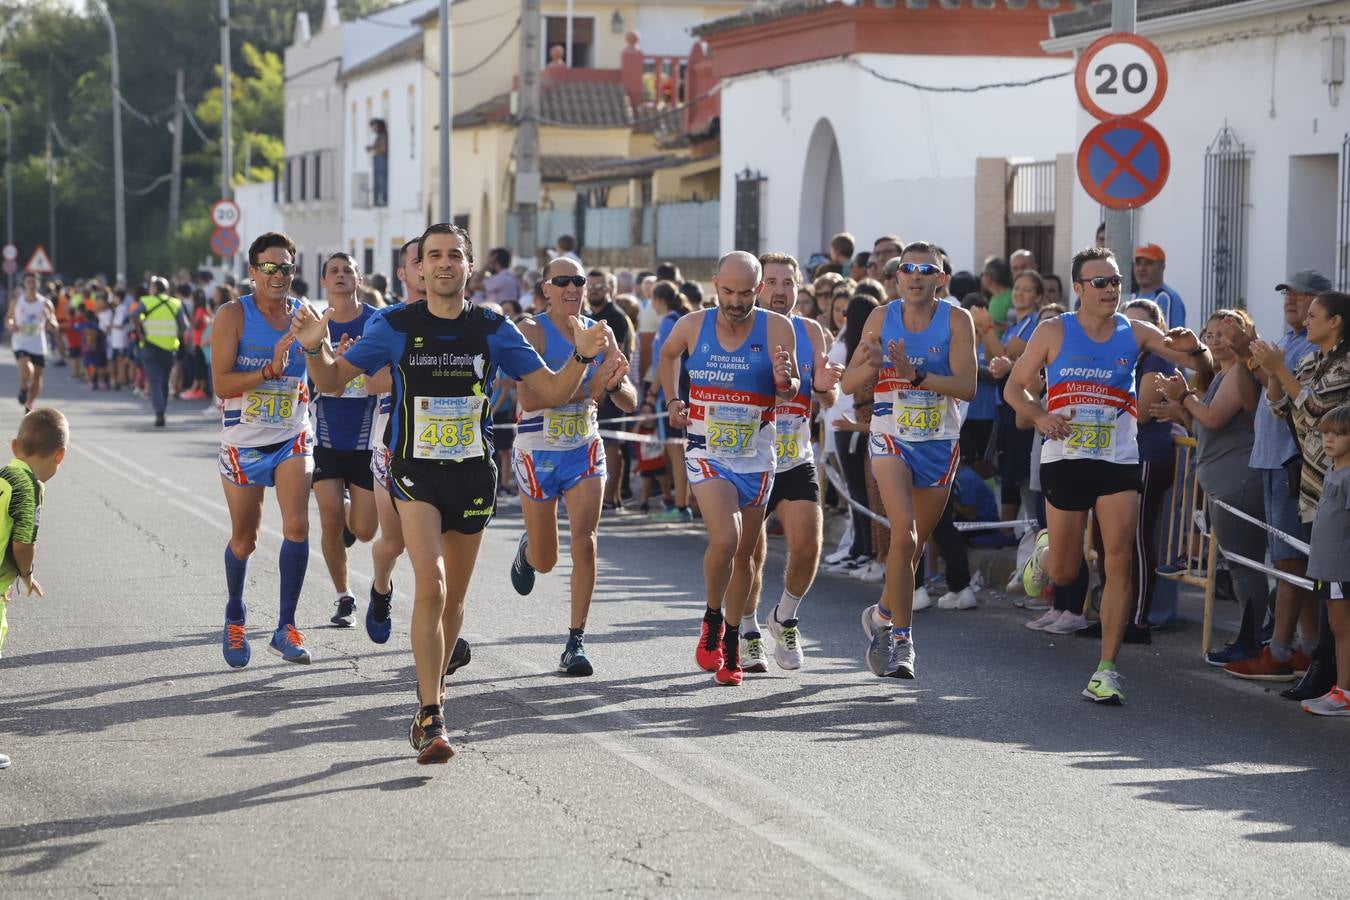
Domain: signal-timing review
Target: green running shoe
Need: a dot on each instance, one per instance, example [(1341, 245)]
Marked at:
[(1105, 687), (1035, 581)]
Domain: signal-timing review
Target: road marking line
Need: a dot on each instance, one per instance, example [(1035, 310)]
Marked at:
[(907, 865)]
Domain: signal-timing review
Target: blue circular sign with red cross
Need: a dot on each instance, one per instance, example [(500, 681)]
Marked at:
[(1123, 163), (224, 242)]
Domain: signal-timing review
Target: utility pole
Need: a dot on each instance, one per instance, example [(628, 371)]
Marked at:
[(176, 183), (1120, 222), (119, 189), (226, 182), (51, 193), (527, 134), (446, 215), (9, 187)]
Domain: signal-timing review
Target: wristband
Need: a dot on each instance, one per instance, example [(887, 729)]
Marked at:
[(315, 352), (614, 390), (920, 373), (1200, 351), (584, 360), (676, 400)]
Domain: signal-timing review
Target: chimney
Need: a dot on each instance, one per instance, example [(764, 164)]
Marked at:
[(331, 17), (301, 28)]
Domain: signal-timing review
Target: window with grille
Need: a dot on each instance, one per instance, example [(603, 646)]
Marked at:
[(1224, 240), (749, 210)]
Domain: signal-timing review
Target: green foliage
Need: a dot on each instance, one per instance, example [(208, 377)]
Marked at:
[(54, 60)]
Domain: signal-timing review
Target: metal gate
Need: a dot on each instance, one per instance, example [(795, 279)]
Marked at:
[(1343, 238), (1030, 221), (1224, 240), (749, 210)]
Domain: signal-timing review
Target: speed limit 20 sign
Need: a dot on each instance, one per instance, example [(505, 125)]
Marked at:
[(224, 214), (1121, 75)]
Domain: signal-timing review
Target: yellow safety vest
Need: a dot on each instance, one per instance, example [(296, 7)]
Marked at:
[(159, 321)]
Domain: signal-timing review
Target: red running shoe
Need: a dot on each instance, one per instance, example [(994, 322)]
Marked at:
[(708, 654)]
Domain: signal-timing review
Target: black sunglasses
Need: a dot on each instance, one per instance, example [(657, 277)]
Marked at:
[(1102, 281), (564, 280), (921, 268), (271, 268)]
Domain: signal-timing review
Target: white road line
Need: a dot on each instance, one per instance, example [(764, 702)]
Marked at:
[(898, 859)]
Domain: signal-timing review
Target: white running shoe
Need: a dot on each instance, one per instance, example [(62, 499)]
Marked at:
[(921, 599), (753, 658), (962, 599), (1068, 623), (837, 556), (873, 573), (1051, 617), (787, 651)]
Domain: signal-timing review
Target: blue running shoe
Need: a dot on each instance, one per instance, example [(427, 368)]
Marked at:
[(379, 622), (460, 657), (234, 643), (522, 573), (289, 644), (574, 661)]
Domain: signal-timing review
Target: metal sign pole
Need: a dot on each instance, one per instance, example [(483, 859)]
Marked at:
[(1120, 223)]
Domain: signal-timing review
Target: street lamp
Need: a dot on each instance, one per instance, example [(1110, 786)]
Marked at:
[(119, 198)]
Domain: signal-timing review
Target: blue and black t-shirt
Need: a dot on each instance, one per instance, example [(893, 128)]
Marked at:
[(443, 373)]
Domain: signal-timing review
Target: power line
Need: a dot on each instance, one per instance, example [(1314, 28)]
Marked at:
[(955, 89), (476, 66)]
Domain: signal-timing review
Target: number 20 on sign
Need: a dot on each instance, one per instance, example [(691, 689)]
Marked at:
[(1121, 75)]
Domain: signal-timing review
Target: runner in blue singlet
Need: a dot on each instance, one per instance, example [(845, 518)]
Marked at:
[(741, 366), (920, 354)]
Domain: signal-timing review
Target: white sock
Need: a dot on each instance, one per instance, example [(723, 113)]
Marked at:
[(787, 607), (750, 622), (877, 618)]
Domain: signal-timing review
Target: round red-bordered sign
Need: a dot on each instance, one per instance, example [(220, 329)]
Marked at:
[(1121, 75), (1123, 163)]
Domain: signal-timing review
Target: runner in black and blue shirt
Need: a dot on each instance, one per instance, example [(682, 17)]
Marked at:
[(444, 354)]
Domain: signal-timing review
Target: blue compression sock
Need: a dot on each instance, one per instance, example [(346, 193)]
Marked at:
[(293, 562), (236, 573)]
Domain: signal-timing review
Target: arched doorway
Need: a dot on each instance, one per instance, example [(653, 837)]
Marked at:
[(821, 214)]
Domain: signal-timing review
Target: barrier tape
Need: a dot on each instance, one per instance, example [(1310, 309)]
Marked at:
[(842, 488), (512, 426), (1296, 580), (1292, 541)]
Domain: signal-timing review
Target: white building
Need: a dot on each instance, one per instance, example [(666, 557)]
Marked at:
[(310, 188), (388, 87), (815, 108), (1257, 121)]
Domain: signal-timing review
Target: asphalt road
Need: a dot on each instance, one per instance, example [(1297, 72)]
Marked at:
[(144, 767)]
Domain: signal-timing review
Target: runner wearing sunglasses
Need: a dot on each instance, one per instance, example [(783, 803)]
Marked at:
[(265, 440), (445, 354), (1090, 458), (558, 454), (918, 354)]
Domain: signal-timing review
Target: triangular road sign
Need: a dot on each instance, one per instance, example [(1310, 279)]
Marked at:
[(39, 263)]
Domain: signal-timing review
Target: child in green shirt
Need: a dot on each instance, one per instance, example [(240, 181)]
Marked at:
[(39, 451)]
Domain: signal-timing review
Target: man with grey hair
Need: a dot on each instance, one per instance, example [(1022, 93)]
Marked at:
[(741, 364), (1022, 261)]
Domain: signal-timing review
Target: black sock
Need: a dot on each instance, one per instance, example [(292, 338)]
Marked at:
[(576, 632), (713, 617), (731, 640), (432, 709)]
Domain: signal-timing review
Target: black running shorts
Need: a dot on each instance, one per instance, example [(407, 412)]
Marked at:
[(797, 483), (464, 493), (351, 466), (1074, 485)]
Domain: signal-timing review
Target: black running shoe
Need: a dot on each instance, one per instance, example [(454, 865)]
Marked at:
[(23, 397), (345, 617), (522, 573), (460, 658), (432, 740), (348, 538)]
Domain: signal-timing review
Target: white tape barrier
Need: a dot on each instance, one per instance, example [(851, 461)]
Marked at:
[(1295, 580), (839, 485), (1292, 541), (512, 426)]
